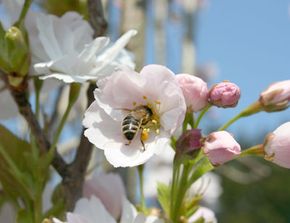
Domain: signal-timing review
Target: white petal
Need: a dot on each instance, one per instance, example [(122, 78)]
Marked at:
[(90, 49), (47, 35), (129, 212), (111, 196), (112, 52), (75, 218), (101, 128), (93, 210), (55, 220), (65, 78)]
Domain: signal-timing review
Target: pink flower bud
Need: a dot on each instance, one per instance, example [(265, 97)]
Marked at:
[(224, 94), (276, 97), (221, 147), (189, 141), (277, 146), (194, 90)]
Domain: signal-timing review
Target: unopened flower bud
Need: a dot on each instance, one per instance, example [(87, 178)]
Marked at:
[(276, 97), (277, 146), (221, 147), (16, 53), (194, 90), (224, 94), (189, 141)]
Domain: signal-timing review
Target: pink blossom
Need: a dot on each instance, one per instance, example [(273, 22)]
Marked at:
[(224, 94), (221, 147), (154, 87), (276, 96), (109, 189), (277, 146), (194, 90)]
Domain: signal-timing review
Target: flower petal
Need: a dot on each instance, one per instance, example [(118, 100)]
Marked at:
[(129, 212), (93, 210)]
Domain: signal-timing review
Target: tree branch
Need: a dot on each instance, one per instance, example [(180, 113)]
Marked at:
[(20, 96), (96, 17), (74, 181)]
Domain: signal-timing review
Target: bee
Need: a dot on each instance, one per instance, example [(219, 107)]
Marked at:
[(135, 121)]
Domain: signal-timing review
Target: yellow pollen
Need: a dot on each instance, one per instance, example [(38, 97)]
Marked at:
[(145, 134), (144, 97), (157, 131), (134, 103)]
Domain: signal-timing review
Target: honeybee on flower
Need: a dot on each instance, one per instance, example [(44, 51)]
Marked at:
[(156, 89)]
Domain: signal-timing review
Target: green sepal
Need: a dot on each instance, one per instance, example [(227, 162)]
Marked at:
[(17, 51)]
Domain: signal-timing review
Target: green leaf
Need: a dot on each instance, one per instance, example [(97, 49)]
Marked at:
[(24, 216), (13, 165), (163, 195)]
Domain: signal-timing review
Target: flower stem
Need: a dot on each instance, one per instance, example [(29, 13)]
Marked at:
[(250, 110), (60, 127), (201, 114), (73, 95), (24, 11), (231, 121), (189, 119), (181, 189), (257, 150), (141, 181)]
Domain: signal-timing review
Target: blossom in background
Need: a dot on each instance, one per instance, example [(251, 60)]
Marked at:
[(93, 211), (204, 215), (224, 94), (63, 48), (221, 147), (276, 97), (195, 91), (277, 146), (154, 87), (109, 189)]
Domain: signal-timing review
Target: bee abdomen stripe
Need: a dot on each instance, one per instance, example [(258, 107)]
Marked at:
[(130, 127), (130, 121)]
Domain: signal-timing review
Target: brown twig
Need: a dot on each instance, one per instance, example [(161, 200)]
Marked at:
[(20, 96), (73, 183), (96, 17)]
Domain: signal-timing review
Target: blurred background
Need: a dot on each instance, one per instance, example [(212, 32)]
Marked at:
[(244, 41)]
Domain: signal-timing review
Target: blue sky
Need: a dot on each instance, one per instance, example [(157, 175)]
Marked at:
[(250, 43)]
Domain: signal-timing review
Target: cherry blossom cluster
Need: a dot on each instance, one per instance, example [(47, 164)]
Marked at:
[(133, 116)]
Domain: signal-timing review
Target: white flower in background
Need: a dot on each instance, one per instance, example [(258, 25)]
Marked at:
[(109, 189), (158, 170), (203, 214), (63, 48), (121, 93), (209, 185), (93, 211)]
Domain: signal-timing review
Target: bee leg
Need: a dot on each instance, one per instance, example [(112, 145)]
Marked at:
[(143, 146)]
